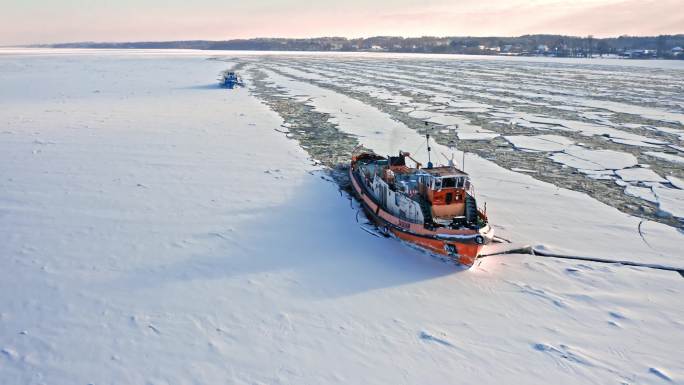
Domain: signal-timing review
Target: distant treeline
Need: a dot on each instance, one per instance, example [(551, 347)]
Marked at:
[(663, 46)]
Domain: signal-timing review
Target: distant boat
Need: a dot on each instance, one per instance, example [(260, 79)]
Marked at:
[(230, 80), (433, 207)]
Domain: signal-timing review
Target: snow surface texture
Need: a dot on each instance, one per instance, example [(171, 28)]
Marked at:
[(155, 229)]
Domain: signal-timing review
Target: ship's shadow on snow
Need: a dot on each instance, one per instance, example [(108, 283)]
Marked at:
[(313, 239), (212, 86)]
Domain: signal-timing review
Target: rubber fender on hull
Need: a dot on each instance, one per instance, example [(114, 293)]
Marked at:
[(470, 209)]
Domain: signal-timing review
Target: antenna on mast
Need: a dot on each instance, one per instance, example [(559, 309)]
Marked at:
[(452, 146), (427, 141)]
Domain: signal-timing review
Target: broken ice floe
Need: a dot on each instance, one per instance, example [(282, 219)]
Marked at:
[(540, 142), (639, 174), (668, 157), (587, 159)]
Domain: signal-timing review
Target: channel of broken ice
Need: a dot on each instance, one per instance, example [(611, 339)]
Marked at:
[(578, 97), (521, 207), (596, 164), (569, 102)]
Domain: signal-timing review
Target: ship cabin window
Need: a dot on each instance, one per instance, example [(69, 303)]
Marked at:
[(397, 161), (448, 182)]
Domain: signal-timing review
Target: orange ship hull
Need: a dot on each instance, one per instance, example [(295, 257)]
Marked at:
[(467, 252), (462, 246)]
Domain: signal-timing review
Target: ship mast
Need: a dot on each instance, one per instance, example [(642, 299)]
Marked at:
[(427, 142)]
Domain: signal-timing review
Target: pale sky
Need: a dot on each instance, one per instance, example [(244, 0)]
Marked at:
[(52, 21)]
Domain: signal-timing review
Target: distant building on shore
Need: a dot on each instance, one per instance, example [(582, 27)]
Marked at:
[(639, 53)]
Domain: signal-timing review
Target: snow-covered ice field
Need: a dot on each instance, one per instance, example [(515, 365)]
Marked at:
[(155, 229)]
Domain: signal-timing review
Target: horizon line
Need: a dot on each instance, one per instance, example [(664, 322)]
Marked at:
[(339, 37)]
